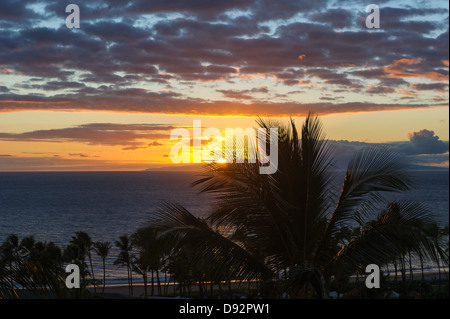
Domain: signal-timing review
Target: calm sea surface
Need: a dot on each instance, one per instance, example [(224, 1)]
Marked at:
[(53, 206)]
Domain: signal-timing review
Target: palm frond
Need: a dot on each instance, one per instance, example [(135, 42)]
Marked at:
[(371, 172), (397, 230), (179, 228)]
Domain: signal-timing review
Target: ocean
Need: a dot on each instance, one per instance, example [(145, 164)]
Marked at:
[(52, 206)]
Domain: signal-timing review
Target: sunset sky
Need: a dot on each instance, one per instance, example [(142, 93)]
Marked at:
[(107, 95)]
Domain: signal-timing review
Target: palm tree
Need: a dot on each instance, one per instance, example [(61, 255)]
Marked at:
[(125, 258), (444, 233), (102, 249), (9, 253), (34, 266), (439, 237), (151, 254), (288, 219), (41, 268), (140, 266), (84, 242)]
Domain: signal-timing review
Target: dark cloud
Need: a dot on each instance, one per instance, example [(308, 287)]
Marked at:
[(78, 155), (136, 147), (426, 142), (140, 100), (430, 86), (192, 6), (13, 10), (243, 94), (424, 148), (337, 18), (187, 43), (118, 32), (131, 136), (380, 90), (58, 163)]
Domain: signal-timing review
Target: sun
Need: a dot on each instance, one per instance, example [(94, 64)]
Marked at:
[(221, 160)]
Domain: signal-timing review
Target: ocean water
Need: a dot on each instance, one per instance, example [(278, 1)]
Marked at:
[(52, 206)]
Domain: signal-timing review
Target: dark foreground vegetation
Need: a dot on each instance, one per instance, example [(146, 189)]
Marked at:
[(292, 234)]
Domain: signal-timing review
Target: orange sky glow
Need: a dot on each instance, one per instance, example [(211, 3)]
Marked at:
[(107, 96)]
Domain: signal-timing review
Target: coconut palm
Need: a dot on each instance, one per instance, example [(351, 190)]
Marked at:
[(151, 255), (34, 266), (102, 249), (85, 243), (140, 266), (293, 219), (9, 253), (125, 258), (440, 239), (41, 268)]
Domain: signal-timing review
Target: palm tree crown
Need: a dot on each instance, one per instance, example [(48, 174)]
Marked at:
[(293, 220)]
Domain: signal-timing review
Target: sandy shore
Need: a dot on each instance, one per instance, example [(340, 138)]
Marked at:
[(121, 290), (138, 289)]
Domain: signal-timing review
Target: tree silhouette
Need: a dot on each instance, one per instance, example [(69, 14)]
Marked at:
[(293, 219), (102, 249)]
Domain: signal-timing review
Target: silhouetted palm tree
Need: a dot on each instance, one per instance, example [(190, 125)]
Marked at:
[(440, 240), (140, 266), (34, 266), (125, 258), (151, 254), (291, 220), (84, 242), (9, 252), (102, 249), (445, 238)]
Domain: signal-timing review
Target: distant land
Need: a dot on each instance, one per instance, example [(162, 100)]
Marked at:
[(177, 167), (193, 167), (427, 168)]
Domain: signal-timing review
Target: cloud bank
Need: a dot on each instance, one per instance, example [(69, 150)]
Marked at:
[(212, 57)]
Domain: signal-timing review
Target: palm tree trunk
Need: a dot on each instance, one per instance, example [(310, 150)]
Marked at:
[(104, 275), (167, 283), (200, 289), (159, 282), (92, 270), (144, 275), (395, 268), (439, 270), (130, 279), (153, 284), (411, 274), (402, 263)]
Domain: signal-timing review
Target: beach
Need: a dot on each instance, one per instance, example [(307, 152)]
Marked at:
[(122, 290)]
